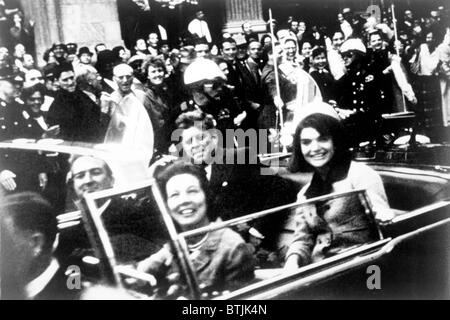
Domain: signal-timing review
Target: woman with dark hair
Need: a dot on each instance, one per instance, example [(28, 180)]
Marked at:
[(324, 229), (305, 54), (221, 258), (266, 41), (121, 54), (319, 72), (21, 31), (36, 126)]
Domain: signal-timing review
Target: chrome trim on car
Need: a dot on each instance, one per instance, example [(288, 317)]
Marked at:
[(263, 213)]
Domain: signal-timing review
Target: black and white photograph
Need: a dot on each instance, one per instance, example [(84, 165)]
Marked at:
[(232, 150)]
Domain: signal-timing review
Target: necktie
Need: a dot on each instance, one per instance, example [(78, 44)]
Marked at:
[(253, 68)]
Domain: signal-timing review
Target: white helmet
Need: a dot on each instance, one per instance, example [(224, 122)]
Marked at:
[(353, 44), (202, 69)]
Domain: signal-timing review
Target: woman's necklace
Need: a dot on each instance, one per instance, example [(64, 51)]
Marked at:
[(197, 245)]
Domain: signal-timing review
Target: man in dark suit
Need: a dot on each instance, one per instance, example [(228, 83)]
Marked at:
[(77, 115), (28, 268), (229, 53), (250, 74), (236, 182)]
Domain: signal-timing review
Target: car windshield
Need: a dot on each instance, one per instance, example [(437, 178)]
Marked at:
[(125, 227)]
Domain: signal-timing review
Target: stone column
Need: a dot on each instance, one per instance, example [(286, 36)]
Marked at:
[(239, 11), (83, 22)]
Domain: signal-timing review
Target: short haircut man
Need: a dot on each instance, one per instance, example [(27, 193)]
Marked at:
[(201, 48), (63, 67), (123, 76), (99, 47), (229, 49), (31, 213), (89, 174), (33, 77), (195, 118), (228, 40), (198, 137), (29, 230), (317, 51), (153, 39), (202, 146), (254, 49)]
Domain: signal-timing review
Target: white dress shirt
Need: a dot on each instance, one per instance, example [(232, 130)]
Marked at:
[(33, 288)]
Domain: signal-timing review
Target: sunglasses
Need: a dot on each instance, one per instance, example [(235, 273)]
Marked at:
[(213, 85), (348, 55)]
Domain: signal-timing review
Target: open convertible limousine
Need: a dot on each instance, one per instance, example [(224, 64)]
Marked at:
[(410, 258)]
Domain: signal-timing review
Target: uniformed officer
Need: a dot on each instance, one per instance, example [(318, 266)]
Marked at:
[(18, 170), (206, 83), (10, 108), (359, 101)]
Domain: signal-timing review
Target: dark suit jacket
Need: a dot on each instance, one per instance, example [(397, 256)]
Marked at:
[(241, 189), (326, 84), (251, 83), (159, 104), (233, 76), (79, 117), (250, 76)]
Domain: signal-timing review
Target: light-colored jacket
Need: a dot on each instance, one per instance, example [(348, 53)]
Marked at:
[(324, 229)]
